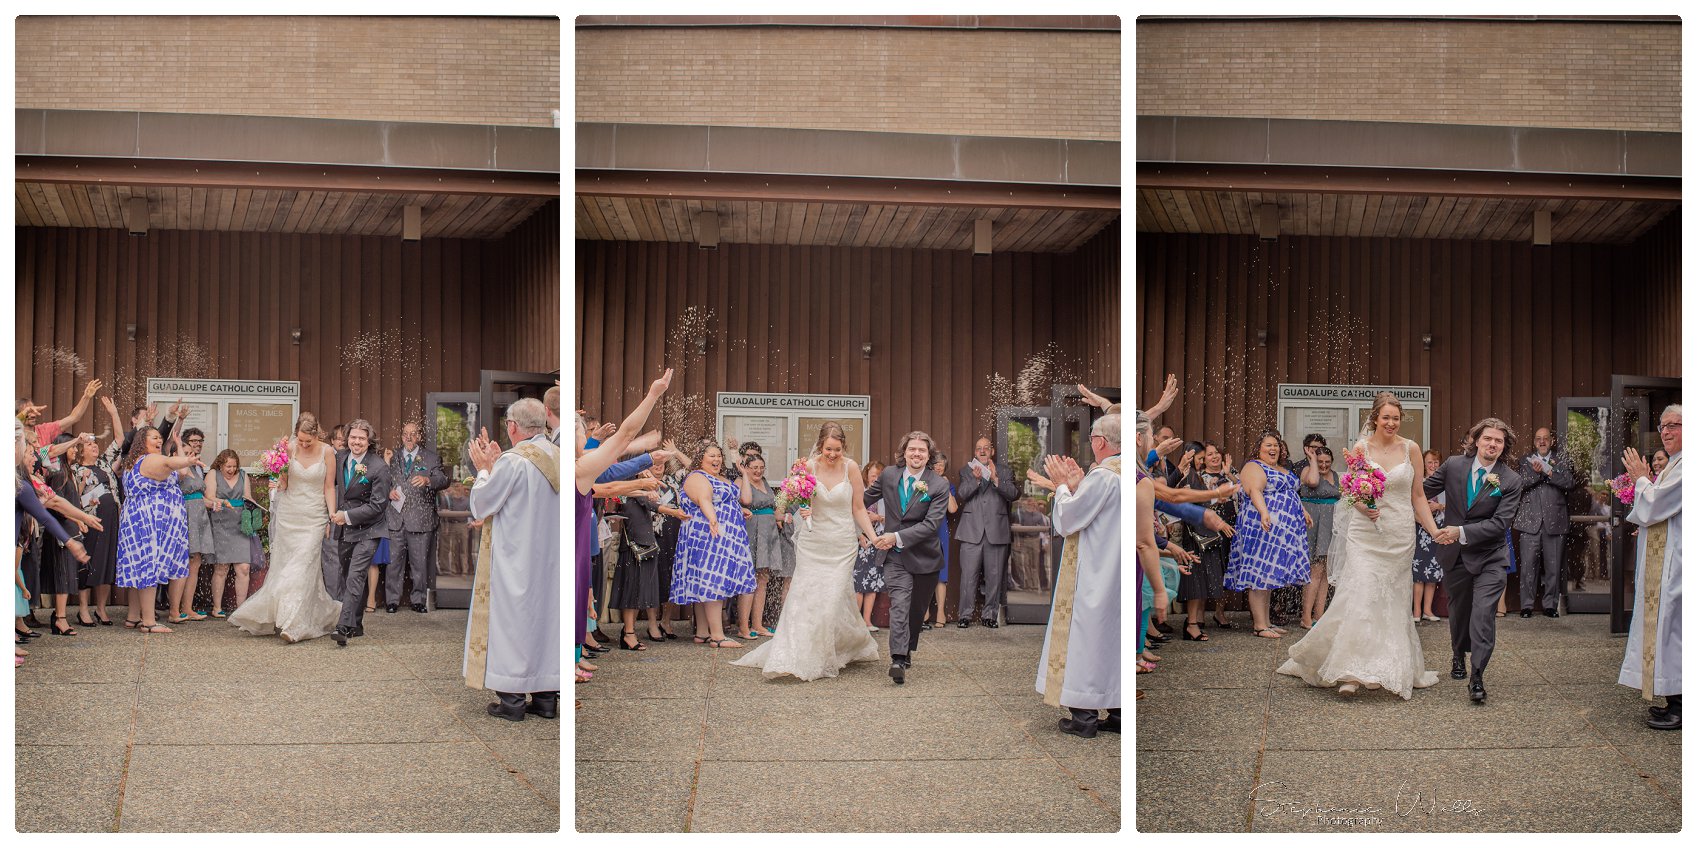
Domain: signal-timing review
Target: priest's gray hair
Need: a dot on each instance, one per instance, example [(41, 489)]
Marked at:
[(529, 415), (1674, 409), (1108, 427)]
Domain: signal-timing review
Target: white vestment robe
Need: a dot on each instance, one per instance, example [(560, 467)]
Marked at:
[(522, 637), (1652, 504), (1081, 645)]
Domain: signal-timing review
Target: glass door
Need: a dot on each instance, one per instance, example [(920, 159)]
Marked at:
[(1024, 435), (502, 389), (450, 424), (1637, 403), (1582, 424)]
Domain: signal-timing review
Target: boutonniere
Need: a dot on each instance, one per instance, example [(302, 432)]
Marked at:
[(922, 490), (1496, 484)]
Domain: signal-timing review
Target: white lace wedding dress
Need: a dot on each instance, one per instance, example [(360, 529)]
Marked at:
[(293, 603), (820, 630), (1367, 636)]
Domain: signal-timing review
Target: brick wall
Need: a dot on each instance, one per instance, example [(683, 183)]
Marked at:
[(448, 70), (1558, 74), (967, 82)]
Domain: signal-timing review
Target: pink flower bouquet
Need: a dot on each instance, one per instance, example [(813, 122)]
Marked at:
[(1364, 482), (276, 460), (797, 490), (1623, 488)]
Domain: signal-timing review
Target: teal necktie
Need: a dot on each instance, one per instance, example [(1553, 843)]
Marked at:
[(348, 478), (907, 488), (1473, 486)]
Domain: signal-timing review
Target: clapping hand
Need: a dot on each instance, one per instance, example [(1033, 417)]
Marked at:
[(977, 471), (1636, 467), (1041, 481), (1064, 471), (484, 451)]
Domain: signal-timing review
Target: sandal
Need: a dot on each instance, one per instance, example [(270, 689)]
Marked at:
[(81, 623), (1261, 630), (154, 628), (659, 638), (584, 676), (54, 626), (132, 623), (1224, 625), (702, 640), (220, 614), (1145, 667), (752, 634), (720, 643), (1199, 637), (631, 635)]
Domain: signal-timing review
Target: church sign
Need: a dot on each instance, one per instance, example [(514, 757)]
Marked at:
[(1339, 412)]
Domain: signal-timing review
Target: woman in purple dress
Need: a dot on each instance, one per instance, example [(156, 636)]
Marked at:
[(589, 466), (713, 560), (153, 532)]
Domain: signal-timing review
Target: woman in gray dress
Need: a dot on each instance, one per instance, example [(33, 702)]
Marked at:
[(1319, 493), (230, 492), (192, 481), (765, 541)]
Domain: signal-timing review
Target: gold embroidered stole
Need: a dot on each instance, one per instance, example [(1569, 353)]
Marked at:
[(1060, 618), (477, 641), (1655, 551)]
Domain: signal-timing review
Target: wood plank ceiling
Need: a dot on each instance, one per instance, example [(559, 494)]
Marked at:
[(1398, 216), (281, 211), (838, 224)]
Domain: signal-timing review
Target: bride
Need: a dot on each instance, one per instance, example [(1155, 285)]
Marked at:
[(292, 603), (821, 630), (1366, 638)]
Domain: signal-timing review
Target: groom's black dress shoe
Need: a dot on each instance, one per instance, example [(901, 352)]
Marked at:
[(991, 623), (964, 623), (359, 630), (1476, 688), (1458, 667), (391, 607), (1550, 613), (898, 672), (418, 607), (1525, 613), (340, 637)]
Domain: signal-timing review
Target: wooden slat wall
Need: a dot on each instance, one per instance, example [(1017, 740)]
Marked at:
[(1096, 267), (529, 262), (1658, 317), (1515, 327), (792, 319), (470, 305)]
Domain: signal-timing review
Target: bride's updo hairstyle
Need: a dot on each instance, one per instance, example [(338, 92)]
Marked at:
[(308, 423), (830, 430), (1383, 400)]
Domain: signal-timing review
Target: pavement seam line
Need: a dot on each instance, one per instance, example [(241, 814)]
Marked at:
[(701, 744), (1609, 743), (1260, 753), (499, 760), (130, 739), (1091, 793)]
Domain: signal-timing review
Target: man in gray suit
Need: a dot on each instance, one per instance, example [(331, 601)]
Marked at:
[(1546, 478), (1481, 495), (985, 531), (915, 502), (419, 475), (362, 499)]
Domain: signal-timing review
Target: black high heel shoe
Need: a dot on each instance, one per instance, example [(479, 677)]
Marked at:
[(631, 635), (27, 635), (68, 631)]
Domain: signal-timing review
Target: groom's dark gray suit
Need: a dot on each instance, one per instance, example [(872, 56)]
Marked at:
[(1476, 572), (910, 571), (365, 498)]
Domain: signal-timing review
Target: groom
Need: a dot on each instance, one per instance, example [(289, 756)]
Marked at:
[(916, 499), (1474, 547), (360, 519)]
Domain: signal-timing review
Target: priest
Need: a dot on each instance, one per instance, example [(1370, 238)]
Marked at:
[(1653, 643), (1080, 667), (512, 641)]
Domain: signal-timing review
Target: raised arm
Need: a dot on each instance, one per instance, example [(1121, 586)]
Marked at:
[(590, 465), (81, 409)]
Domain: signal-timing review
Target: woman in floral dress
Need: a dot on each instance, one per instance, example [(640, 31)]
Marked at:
[(1427, 572)]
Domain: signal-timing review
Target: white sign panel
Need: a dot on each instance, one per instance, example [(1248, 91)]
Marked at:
[(248, 415), (775, 421), (1337, 412)]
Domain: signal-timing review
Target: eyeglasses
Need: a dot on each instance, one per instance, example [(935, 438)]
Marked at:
[(1668, 425)]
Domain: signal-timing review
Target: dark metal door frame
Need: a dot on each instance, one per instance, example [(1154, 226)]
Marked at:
[(1620, 609), (1587, 602), (487, 397)]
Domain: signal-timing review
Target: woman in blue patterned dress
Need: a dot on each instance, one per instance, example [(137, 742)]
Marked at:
[(713, 561), (153, 532), (1271, 548)]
